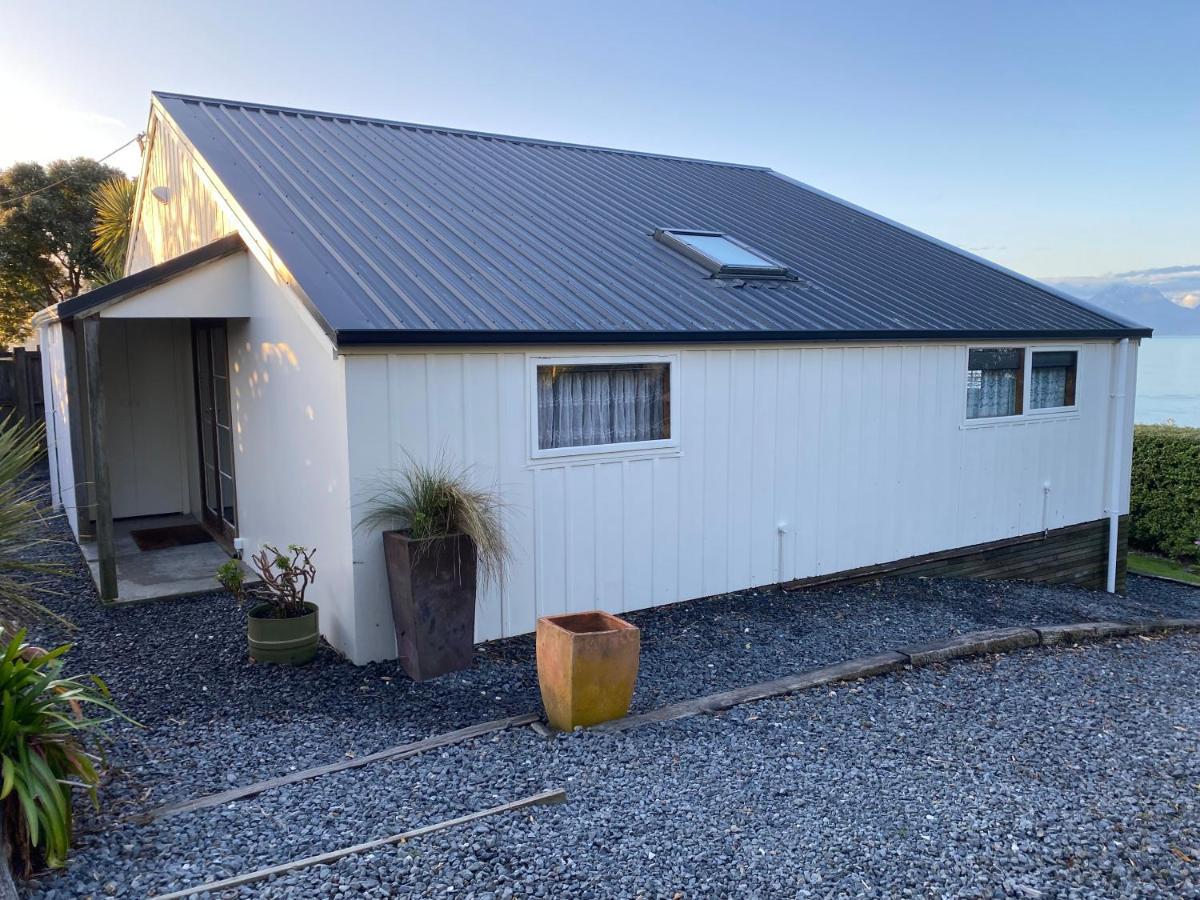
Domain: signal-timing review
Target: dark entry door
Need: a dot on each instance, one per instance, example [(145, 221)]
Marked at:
[(215, 419)]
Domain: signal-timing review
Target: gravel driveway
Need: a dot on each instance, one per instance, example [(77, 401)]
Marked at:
[(1046, 770)]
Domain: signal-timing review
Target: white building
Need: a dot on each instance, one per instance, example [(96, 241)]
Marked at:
[(685, 377)]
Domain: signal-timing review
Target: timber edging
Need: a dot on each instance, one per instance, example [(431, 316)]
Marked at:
[(1073, 554), (972, 643), (402, 751)]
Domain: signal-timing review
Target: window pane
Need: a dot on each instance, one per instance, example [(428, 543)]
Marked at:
[(229, 501), (220, 388), (995, 382), (591, 405), (203, 370), (219, 351), (723, 250), (210, 489), (206, 441), (720, 253), (224, 450), (1053, 379)]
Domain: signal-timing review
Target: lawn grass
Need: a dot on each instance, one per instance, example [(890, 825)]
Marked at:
[(1144, 564)]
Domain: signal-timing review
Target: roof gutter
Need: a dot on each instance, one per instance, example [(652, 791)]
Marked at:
[(385, 337)]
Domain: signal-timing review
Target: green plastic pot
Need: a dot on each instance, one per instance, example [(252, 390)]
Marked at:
[(289, 642)]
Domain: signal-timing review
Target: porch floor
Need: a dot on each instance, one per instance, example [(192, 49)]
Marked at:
[(158, 574)]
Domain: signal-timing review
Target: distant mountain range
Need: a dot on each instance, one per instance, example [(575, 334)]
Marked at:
[(1167, 299)]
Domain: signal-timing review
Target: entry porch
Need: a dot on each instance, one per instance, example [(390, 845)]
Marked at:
[(140, 425)]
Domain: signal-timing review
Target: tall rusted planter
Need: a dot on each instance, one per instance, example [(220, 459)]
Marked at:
[(587, 667), (432, 585)]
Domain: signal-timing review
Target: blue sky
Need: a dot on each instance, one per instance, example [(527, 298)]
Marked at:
[(1057, 138)]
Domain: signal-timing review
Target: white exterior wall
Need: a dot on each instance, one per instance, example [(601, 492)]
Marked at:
[(289, 399), (58, 422), (861, 453)]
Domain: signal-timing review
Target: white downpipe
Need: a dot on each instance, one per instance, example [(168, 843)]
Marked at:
[(1116, 449)]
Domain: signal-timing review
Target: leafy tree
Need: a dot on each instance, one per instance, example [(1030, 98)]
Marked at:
[(46, 221), (113, 201)]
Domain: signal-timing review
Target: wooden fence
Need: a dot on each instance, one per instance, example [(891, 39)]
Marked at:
[(21, 385)]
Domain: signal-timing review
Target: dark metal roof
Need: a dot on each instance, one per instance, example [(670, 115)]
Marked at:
[(411, 233), (147, 278)]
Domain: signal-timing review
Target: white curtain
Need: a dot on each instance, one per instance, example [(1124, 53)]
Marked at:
[(991, 392), (1048, 388), (580, 406)]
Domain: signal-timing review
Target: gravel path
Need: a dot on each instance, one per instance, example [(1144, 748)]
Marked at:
[(1042, 773), (659, 804)]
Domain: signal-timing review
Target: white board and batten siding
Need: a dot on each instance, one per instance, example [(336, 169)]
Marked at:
[(193, 214), (791, 462), (58, 422)]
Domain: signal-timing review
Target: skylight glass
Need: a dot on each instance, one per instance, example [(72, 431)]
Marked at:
[(719, 253)]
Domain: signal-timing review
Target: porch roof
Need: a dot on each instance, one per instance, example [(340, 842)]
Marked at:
[(95, 301)]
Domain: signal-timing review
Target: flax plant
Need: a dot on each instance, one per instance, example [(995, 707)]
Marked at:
[(438, 499), (48, 747), (20, 522)]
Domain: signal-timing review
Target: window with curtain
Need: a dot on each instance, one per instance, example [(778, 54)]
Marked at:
[(591, 405), (1052, 378), (995, 382)]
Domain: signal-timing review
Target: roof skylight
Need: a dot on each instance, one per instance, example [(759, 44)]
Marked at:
[(720, 254)]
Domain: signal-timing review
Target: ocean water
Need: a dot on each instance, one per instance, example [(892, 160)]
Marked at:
[(1168, 381)]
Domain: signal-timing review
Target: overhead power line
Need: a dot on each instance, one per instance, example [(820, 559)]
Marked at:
[(136, 137)]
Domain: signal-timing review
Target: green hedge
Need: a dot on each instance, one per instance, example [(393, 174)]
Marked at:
[(1165, 500)]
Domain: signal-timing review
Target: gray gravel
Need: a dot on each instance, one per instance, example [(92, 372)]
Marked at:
[(1084, 761), (1043, 773)]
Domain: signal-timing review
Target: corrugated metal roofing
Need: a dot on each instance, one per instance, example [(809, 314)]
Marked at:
[(401, 232)]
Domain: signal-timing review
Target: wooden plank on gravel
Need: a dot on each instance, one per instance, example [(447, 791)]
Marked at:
[(1084, 631), (970, 644), (1094, 631), (399, 752), (1168, 624), (861, 667), (323, 859)]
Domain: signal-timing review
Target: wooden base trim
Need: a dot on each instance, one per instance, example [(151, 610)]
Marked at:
[(1075, 554)]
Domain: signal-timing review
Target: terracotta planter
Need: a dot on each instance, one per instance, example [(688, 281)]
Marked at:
[(290, 642), (587, 667), (432, 584)]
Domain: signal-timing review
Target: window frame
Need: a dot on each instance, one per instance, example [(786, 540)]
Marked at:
[(670, 237), (1026, 414), (1053, 410), (534, 361)]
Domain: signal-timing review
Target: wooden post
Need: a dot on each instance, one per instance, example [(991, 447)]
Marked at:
[(101, 489), (76, 416)]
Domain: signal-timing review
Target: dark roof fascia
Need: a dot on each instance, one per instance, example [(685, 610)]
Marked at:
[(148, 278), (382, 337)]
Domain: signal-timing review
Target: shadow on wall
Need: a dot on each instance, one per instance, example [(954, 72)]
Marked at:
[(271, 355), (273, 359)]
